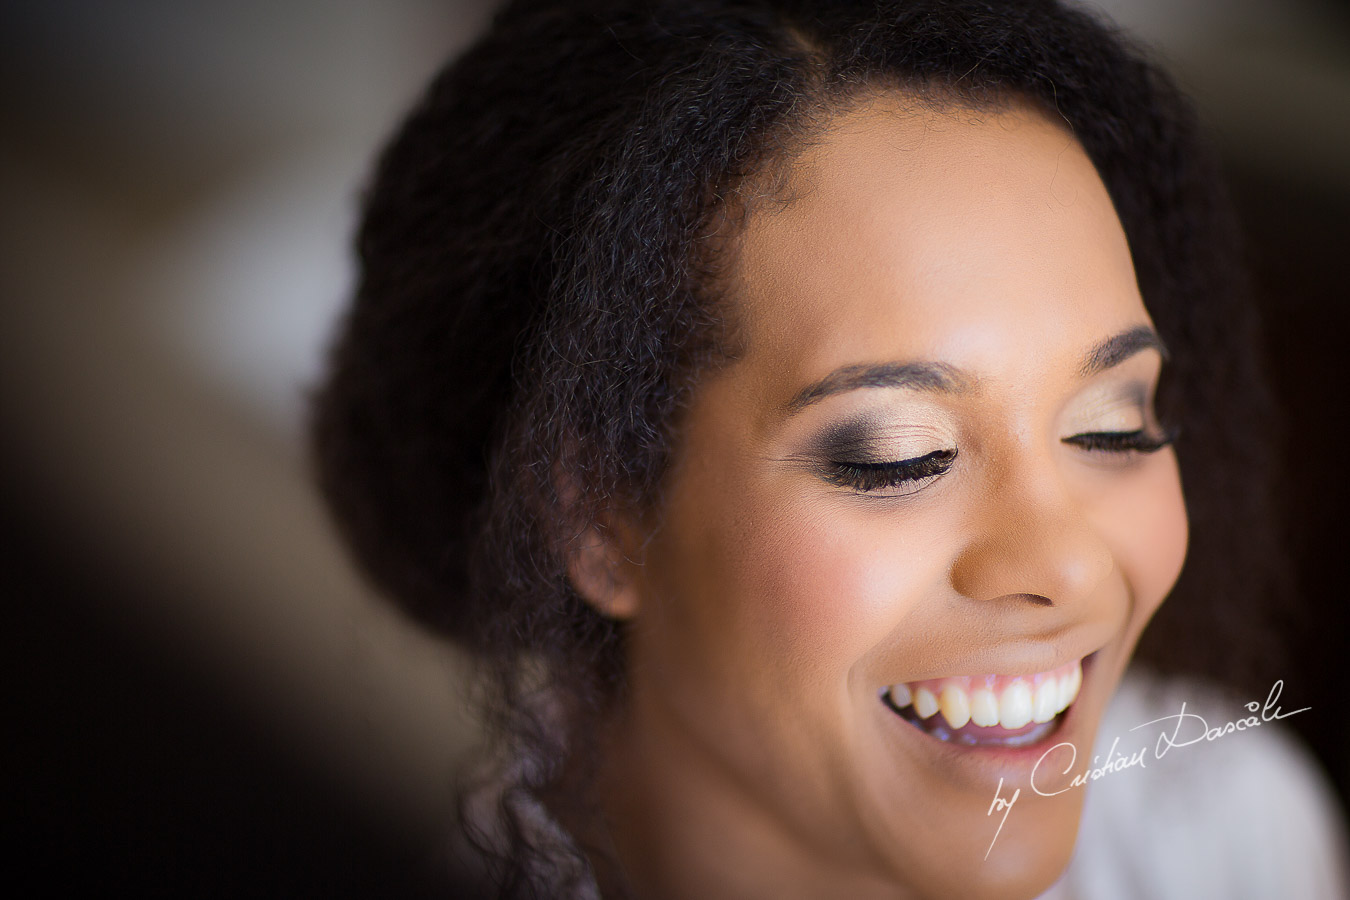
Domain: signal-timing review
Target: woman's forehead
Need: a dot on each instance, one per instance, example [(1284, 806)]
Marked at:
[(940, 233)]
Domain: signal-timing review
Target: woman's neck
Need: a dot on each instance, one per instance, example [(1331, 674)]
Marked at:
[(675, 825)]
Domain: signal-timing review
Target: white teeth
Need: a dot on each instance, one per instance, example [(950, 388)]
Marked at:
[(1047, 697), (955, 706), (925, 704), (1018, 704), (1014, 707), (984, 707), (901, 696), (1068, 687)]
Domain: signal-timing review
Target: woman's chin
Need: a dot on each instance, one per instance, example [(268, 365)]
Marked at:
[(1027, 858), (1034, 857)]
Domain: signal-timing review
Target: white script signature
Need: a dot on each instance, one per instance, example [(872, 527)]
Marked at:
[(1188, 728)]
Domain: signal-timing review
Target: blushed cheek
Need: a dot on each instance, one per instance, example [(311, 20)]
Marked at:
[(833, 586), (1150, 533)]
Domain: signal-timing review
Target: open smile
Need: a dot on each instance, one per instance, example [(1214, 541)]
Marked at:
[(989, 710)]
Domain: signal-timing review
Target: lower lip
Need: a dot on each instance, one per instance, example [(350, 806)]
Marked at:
[(1002, 759)]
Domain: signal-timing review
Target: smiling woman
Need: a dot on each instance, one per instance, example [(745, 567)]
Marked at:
[(769, 394), (935, 465)]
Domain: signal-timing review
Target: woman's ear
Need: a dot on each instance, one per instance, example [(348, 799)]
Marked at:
[(604, 569)]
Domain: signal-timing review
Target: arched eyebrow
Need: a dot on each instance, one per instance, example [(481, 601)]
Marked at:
[(944, 379), (922, 376), (1116, 349)]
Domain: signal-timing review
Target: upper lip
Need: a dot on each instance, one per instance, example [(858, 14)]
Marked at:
[(1009, 670)]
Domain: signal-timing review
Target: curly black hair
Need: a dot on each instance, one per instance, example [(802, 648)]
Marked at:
[(537, 299)]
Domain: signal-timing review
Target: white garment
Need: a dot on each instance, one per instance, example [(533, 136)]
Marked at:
[(1247, 816)]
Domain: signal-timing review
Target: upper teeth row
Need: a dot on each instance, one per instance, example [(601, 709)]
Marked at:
[(1022, 700)]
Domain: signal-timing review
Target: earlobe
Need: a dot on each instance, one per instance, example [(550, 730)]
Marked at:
[(603, 573)]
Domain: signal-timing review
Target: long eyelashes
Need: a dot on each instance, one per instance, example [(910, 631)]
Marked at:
[(911, 474), (1137, 441)]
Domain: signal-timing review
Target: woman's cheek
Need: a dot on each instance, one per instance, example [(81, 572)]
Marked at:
[(1144, 521), (839, 578)]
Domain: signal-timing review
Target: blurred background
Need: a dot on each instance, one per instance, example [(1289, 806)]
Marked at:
[(206, 698)]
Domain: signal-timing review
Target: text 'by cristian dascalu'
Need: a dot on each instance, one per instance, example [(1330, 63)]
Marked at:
[(1186, 728)]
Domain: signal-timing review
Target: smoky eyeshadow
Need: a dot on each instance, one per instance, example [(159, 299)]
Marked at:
[(862, 439)]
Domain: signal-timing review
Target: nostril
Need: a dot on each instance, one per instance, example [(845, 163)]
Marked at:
[(1037, 599)]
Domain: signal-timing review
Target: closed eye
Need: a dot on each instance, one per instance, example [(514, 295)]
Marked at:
[(1137, 441), (909, 474)]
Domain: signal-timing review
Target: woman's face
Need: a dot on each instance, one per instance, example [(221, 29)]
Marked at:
[(934, 465)]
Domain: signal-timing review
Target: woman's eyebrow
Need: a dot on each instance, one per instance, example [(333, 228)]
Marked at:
[(1116, 349), (942, 378), (921, 376)]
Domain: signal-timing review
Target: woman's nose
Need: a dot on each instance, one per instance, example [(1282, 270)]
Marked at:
[(1031, 539)]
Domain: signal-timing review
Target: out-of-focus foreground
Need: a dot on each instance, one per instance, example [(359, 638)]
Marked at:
[(209, 698)]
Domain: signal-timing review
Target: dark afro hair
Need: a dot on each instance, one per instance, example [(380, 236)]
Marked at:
[(538, 254)]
